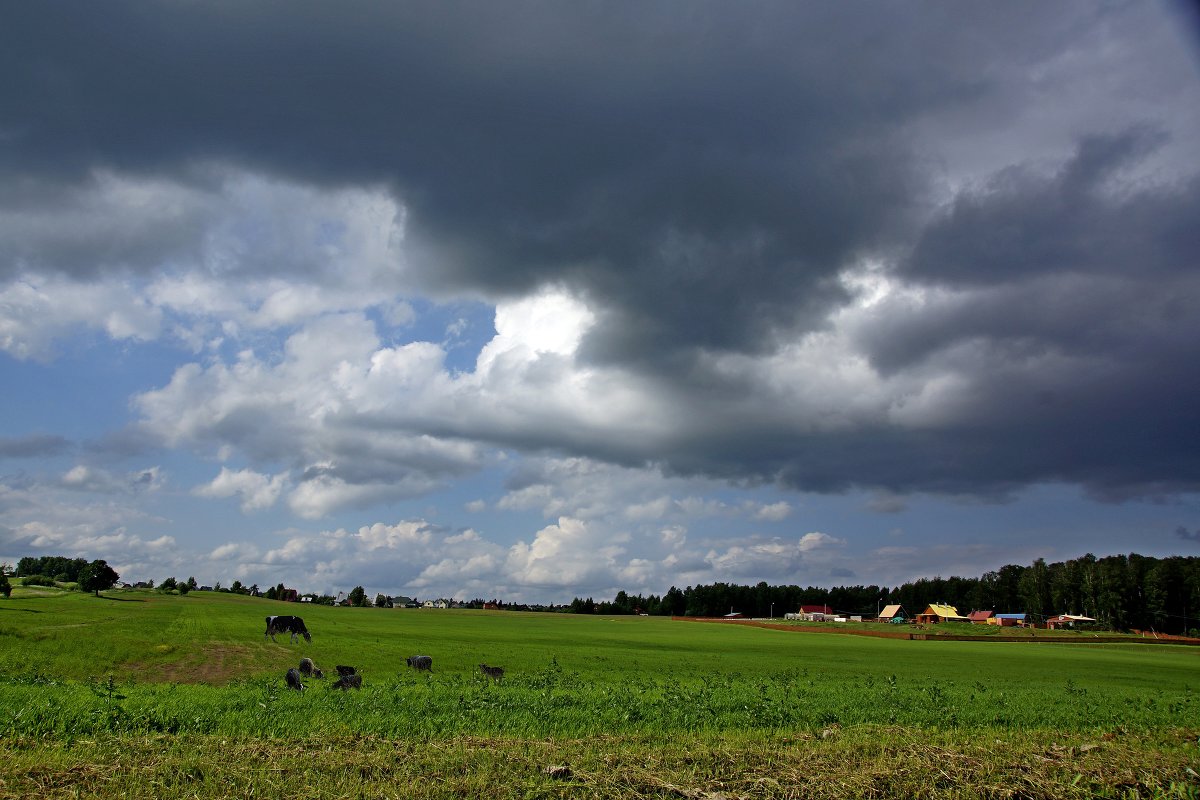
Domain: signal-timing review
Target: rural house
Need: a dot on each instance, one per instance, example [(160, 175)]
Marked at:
[(816, 613), (939, 612), (893, 613), (1068, 621), (980, 617), (1007, 620)]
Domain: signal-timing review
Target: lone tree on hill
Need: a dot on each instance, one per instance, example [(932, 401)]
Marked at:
[(97, 576)]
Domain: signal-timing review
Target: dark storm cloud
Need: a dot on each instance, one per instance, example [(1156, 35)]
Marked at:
[(37, 445), (1186, 535), (1071, 312), (701, 174), (1086, 218)]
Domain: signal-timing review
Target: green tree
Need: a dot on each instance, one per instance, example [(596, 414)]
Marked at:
[(621, 603), (358, 597), (1035, 589), (381, 601), (168, 585), (97, 576), (674, 602), (191, 583)]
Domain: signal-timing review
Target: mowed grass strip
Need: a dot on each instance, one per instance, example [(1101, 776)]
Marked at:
[(875, 762)]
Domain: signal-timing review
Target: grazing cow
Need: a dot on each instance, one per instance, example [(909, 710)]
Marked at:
[(343, 670), (347, 682), (293, 679), (495, 673), (292, 625), (307, 667), (420, 663)]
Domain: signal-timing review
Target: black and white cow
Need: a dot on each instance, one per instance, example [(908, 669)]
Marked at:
[(292, 625), (293, 679), (420, 663)]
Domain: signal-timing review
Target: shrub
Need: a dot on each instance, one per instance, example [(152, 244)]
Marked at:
[(37, 580)]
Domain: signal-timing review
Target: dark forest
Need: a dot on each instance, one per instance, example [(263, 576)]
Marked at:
[(1121, 592)]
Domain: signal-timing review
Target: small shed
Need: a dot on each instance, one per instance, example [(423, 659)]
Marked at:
[(1008, 620), (940, 612), (980, 617), (893, 613)]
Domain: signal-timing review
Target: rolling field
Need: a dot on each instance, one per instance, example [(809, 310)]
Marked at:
[(588, 704)]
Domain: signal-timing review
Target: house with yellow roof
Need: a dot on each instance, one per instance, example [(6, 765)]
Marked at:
[(939, 612)]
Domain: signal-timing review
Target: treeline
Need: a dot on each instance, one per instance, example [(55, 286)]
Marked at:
[(89, 576), (1121, 592), (60, 568)]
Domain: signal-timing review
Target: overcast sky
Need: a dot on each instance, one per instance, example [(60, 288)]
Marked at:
[(533, 300)]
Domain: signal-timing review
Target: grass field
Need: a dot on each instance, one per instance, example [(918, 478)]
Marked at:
[(172, 696)]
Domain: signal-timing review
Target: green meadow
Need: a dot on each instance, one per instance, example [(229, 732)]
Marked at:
[(85, 681)]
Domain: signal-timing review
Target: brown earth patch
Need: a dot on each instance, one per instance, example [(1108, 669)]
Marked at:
[(217, 663)]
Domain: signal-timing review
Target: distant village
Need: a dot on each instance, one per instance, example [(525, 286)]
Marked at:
[(937, 613), (894, 613)]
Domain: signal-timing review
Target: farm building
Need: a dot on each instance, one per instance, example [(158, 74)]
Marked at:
[(828, 610), (893, 613), (816, 613), (980, 617), (1068, 621), (1008, 620), (938, 612)]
